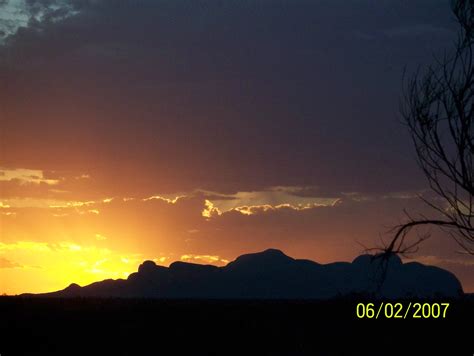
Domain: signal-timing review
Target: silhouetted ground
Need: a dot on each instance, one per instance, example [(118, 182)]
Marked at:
[(192, 327)]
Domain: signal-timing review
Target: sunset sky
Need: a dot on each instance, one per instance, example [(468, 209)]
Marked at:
[(200, 130)]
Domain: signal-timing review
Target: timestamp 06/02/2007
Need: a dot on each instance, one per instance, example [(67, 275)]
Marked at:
[(412, 310)]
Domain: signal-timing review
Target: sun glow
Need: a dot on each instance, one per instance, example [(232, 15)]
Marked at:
[(45, 267), (206, 259)]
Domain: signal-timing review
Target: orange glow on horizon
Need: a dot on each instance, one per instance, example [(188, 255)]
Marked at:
[(44, 267), (48, 241)]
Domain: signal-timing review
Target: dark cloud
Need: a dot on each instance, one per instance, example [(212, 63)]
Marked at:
[(176, 95), (423, 31), (309, 191), (48, 11)]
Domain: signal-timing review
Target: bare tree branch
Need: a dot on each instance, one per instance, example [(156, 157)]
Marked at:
[(438, 109)]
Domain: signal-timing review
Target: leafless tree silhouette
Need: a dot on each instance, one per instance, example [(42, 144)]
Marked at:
[(437, 107)]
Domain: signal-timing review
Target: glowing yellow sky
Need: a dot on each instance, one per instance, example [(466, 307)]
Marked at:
[(49, 240)]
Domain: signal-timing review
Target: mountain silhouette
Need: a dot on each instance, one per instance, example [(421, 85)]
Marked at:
[(272, 274)]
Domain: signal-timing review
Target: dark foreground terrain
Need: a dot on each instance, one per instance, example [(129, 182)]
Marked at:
[(86, 326)]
